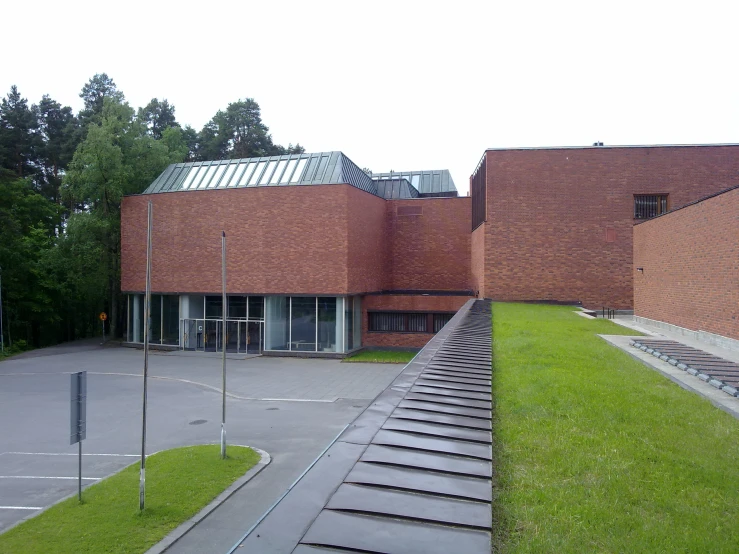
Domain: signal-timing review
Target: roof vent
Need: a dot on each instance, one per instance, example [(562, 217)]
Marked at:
[(597, 144)]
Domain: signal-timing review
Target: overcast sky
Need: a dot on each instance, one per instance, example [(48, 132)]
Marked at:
[(401, 85)]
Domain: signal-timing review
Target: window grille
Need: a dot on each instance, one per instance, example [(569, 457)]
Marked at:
[(440, 320), (413, 322), (649, 205)]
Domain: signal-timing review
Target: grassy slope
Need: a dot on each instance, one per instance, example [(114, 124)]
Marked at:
[(179, 483), (597, 452), (382, 356)]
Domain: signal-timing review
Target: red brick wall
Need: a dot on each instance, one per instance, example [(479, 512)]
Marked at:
[(478, 260), (429, 244), (549, 213), (367, 260), (405, 303), (691, 266), (291, 240)]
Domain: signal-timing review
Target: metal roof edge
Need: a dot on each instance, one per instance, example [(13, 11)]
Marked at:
[(591, 147)]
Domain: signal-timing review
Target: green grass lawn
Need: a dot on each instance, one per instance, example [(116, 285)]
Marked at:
[(596, 452), (179, 483), (382, 357)]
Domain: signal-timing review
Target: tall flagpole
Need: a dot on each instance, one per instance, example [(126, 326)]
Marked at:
[(223, 344), (147, 315)]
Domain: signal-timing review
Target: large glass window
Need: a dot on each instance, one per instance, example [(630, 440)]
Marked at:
[(155, 334), (277, 323), (303, 323), (349, 324), (327, 324), (170, 319), (213, 307), (256, 307), (236, 307)]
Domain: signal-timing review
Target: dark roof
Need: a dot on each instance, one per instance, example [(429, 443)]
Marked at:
[(322, 168), (396, 188), (426, 182)]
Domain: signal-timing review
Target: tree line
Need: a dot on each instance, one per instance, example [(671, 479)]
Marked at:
[(62, 178)]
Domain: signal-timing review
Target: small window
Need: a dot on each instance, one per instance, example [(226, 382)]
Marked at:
[(440, 320), (649, 205), (413, 322)]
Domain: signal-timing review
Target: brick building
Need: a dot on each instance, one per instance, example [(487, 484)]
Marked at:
[(321, 258), (557, 223), (324, 259), (686, 266)]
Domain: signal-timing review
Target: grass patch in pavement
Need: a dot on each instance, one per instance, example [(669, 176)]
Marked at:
[(382, 356), (596, 452), (179, 483)]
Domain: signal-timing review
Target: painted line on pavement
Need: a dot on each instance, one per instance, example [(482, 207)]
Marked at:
[(45, 477), (20, 508), (188, 382), (70, 454)]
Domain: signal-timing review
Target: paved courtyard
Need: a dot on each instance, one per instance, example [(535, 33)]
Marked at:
[(292, 408)]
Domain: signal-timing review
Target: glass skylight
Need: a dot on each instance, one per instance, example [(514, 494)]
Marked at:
[(229, 173), (299, 170), (278, 172)]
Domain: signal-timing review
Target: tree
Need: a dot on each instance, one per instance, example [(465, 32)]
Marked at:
[(27, 230), (19, 139), (58, 130), (117, 157), (157, 116), (239, 133), (94, 93)]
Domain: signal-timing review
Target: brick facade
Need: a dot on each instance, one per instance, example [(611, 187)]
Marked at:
[(690, 261), (405, 303), (560, 221), (429, 244)]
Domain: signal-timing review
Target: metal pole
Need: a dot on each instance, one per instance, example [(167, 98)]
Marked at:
[(223, 344), (147, 309), (79, 473)]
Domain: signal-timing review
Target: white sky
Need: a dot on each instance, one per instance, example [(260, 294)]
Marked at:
[(401, 85)]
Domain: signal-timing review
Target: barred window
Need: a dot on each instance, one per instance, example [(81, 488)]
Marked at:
[(440, 320), (649, 205), (407, 322)]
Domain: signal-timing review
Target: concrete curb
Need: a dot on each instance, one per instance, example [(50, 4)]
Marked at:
[(187, 526)]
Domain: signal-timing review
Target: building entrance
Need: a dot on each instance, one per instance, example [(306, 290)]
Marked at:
[(207, 335)]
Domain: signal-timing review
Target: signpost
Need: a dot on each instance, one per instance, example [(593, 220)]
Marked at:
[(78, 419), (103, 316), (147, 330)]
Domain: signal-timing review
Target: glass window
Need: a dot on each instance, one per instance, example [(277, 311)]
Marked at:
[(278, 172), (311, 171), (155, 318), (289, 171), (217, 176), (415, 180), (206, 180), (349, 324), (440, 320), (357, 321), (170, 319), (213, 307), (256, 307), (299, 171), (229, 173), (236, 307), (257, 174), (303, 323), (277, 323), (240, 176), (267, 172), (327, 324), (417, 322), (190, 176)]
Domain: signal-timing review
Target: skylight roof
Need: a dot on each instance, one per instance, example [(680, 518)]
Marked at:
[(320, 168), (426, 182)]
